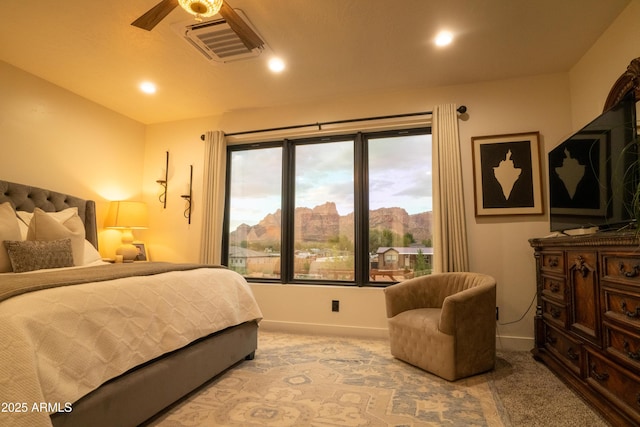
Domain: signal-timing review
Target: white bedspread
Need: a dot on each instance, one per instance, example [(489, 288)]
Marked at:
[(59, 344)]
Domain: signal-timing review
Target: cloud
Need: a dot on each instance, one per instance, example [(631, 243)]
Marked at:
[(399, 176)]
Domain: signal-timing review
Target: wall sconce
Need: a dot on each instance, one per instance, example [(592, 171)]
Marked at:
[(187, 197), (163, 183)]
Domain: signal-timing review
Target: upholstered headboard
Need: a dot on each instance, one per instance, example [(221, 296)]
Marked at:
[(27, 198)]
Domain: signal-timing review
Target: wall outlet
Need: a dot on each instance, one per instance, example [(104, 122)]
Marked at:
[(497, 313), (335, 305)]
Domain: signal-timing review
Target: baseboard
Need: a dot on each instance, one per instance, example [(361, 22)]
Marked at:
[(514, 343), (322, 329), (502, 342)]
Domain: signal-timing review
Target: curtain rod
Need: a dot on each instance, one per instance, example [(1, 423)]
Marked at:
[(461, 109)]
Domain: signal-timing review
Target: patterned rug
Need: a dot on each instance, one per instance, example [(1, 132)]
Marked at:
[(300, 380)]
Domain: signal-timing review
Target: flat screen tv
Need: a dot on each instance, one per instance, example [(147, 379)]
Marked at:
[(594, 173)]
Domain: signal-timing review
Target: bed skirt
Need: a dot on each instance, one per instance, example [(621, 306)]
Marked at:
[(146, 390)]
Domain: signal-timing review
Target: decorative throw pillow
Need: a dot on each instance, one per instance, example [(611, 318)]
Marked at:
[(9, 230), (29, 255), (24, 218), (44, 227)]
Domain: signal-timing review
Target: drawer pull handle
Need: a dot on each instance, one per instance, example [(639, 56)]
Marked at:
[(555, 313), (631, 354), (571, 354), (600, 377), (553, 261), (638, 399), (635, 271), (581, 266), (554, 286), (631, 314)]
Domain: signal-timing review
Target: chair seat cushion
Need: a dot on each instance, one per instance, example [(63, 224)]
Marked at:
[(419, 319)]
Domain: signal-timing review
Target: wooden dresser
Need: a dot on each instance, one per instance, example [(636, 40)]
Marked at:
[(587, 325)]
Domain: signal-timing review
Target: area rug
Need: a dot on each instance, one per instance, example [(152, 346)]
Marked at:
[(300, 380)]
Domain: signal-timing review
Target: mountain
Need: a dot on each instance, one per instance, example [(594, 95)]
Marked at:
[(324, 222)]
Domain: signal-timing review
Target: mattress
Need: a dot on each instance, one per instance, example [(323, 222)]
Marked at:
[(59, 344)]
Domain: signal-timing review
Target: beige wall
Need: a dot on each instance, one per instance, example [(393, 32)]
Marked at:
[(593, 76), (55, 139), (171, 237)]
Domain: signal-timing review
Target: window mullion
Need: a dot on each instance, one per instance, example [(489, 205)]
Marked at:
[(288, 211), (361, 214)]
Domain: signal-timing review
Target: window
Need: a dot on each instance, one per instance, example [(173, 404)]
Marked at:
[(351, 209), (254, 203)]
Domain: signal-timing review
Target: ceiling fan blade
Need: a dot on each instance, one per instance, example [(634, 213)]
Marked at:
[(250, 39), (155, 15)]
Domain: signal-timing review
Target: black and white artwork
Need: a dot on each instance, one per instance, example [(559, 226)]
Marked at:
[(507, 174)]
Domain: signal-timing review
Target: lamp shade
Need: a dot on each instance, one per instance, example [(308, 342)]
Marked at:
[(125, 214)]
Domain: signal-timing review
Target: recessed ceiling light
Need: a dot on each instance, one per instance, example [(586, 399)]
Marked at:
[(148, 87), (276, 65), (444, 38)]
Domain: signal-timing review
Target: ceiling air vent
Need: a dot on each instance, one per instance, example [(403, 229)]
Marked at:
[(217, 41)]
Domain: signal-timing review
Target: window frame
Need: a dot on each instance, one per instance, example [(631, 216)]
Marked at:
[(361, 203)]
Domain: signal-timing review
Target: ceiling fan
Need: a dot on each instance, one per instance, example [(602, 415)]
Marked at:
[(201, 9)]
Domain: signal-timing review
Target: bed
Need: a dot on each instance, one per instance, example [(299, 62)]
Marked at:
[(88, 343)]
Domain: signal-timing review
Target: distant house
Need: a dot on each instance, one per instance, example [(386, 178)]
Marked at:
[(400, 258), (250, 262)]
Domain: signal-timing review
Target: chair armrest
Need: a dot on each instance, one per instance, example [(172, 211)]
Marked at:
[(469, 310)]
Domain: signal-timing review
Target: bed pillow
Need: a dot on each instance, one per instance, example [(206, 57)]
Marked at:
[(60, 216), (91, 254), (30, 255), (44, 227), (9, 230)]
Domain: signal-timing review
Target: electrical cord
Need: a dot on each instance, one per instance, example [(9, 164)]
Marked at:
[(523, 314)]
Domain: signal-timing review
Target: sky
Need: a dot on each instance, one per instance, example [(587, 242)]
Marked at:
[(399, 176)]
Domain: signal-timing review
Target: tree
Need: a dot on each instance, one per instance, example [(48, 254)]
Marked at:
[(421, 268), (408, 239)]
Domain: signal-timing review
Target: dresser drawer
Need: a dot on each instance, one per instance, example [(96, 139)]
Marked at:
[(623, 345), (554, 312), (622, 306), (617, 384), (553, 287), (568, 350), (621, 268), (553, 261)]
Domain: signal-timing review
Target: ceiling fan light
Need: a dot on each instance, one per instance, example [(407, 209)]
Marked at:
[(201, 8)]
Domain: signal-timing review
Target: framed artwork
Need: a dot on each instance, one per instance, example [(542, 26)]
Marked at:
[(142, 252), (506, 173)]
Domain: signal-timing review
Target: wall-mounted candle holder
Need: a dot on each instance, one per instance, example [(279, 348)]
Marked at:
[(187, 197), (163, 182)]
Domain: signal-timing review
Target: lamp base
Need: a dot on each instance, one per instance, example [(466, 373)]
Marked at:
[(128, 251)]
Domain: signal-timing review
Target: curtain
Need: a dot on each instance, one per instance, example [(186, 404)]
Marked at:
[(213, 197), (449, 228)]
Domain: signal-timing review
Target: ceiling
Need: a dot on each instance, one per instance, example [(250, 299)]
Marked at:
[(331, 48)]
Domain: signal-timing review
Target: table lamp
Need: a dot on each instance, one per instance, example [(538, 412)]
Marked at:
[(126, 216)]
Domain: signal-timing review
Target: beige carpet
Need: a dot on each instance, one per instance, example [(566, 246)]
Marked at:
[(302, 380)]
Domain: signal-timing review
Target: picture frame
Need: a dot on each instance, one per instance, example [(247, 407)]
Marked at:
[(142, 252), (506, 172)]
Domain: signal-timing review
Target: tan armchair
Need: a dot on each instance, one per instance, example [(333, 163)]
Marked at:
[(444, 323)]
